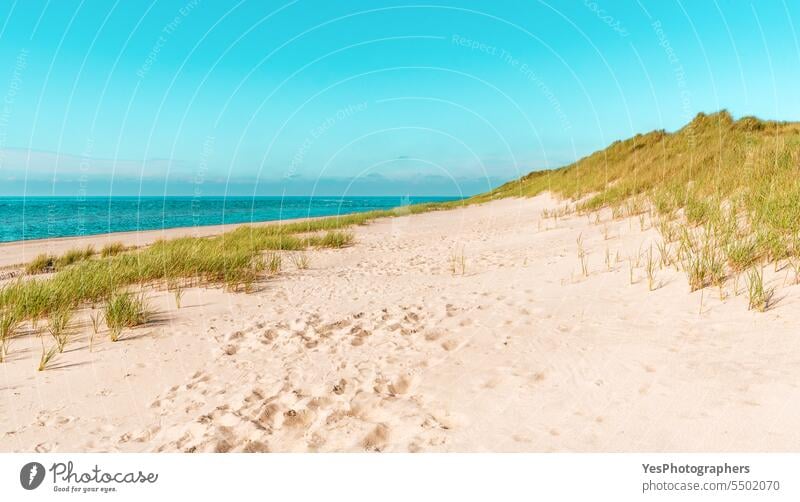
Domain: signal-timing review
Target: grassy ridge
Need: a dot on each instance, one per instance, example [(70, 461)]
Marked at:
[(727, 191), (711, 157)]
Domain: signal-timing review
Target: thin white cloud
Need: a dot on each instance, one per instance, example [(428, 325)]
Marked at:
[(17, 162)]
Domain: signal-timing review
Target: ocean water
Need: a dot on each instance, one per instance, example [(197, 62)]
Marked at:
[(26, 218)]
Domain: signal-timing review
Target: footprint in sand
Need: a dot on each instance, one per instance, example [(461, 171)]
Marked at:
[(402, 385), (376, 440), (450, 344)]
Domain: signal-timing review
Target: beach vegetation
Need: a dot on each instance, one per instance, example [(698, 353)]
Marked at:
[(731, 187), (582, 257), (650, 267), (47, 356), (300, 260), (458, 262), (58, 325), (124, 310), (97, 319), (43, 263), (759, 296), (112, 249), (73, 256), (9, 324)]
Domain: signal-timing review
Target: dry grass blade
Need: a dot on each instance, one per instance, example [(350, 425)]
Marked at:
[(651, 270), (177, 290), (582, 257), (273, 263), (9, 324), (760, 297), (458, 263), (59, 328), (96, 319), (47, 356), (300, 260)]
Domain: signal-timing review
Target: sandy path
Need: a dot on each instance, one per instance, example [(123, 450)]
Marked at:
[(381, 347)]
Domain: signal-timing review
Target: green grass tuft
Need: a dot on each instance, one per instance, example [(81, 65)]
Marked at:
[(9, 324), (41, 264), (124, 310), (59, 327), (112, 249)]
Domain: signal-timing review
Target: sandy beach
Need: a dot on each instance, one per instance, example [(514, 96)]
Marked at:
[(466, 330)]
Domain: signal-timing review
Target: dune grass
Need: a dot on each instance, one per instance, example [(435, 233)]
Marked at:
[(73, 256), (759, 296), (733, 185), (233, 259), (112, 249), (45, 263), (124, 310), (300, 260), (177, 292), (41, 264), (47, 356), (458, 262), (9, 324), (58, 325), (582, 256)]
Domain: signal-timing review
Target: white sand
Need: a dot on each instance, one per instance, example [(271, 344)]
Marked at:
[(380, 347)]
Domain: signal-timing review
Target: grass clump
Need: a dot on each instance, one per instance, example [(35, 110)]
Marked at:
[(46, 263), (42, 264), (47, 356), (650, 267), (300, 260), (458, 263), (9, 324), (704, 267), (73, 256), (333, 239), (124, 310), (112, 249), (741, 254), (177, 291), (273, 263), (760, 297)]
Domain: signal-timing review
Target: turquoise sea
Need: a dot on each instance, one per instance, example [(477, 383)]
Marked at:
[(26, 218)]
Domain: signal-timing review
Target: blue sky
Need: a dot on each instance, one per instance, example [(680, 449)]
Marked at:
[(364, 97)]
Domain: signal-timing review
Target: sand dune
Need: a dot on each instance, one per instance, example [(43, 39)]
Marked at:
[(465, 330)]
